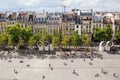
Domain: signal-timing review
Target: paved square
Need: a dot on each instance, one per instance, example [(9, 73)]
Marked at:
[(62, 69)]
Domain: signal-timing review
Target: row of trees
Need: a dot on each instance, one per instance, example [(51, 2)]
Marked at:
[(16, 36), (57, 39)]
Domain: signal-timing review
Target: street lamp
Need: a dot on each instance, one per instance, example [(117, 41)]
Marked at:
[(69, 45), (49, 45)]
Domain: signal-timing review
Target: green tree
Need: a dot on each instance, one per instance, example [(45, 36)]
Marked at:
[(10, 42), (56, 38), (3, 39), (117, 36), (20, 42), (32, 41), (99, 34), (14, 31), (37, 37), (104, 34), (65, 41), (108, 32), (19, 35), (85, 39), (25, 34), (75, 38), (55, 33), (55, 41)]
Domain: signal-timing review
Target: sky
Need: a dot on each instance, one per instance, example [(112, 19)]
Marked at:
[(54, 5)]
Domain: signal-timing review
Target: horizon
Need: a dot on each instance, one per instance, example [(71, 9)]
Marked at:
[(54, 5)]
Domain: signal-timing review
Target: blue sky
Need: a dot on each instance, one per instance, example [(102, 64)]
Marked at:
[(54, 5)]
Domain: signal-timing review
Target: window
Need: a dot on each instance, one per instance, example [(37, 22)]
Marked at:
[(86, 26), (66, 28), (81, 27), (77, 26), (89, 26)]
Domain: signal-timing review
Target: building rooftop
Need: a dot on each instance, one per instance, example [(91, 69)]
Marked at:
[(107, 20), (97, 17), (117, 21)]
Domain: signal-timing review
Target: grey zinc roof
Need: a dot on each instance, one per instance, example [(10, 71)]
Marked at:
[(2, 20), (97, 17), (85, 14)]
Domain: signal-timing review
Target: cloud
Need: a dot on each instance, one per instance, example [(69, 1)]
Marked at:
[(53, 5), (32, 2)]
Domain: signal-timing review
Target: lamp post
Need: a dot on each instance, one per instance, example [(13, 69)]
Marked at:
[(43, 47), (69, 44), (49, 45)]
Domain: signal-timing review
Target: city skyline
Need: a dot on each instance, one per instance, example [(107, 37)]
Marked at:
[(54, 5)]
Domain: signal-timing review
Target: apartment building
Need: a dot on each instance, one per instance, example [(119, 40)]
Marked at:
[(78, 23), (25, 19), (39, 22), (97, 21), (53, 22), (7, 19), (117, 25), (2, 25), (86, 21), (65, 23), (68, 23), (11, 18)]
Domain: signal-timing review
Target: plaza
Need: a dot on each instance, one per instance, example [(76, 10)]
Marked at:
[(62, 69)]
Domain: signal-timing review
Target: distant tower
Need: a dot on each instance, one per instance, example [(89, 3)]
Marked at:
[(63, 8), (43, 11)]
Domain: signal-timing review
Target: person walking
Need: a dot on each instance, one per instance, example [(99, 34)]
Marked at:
[(114, 75), (84, 59), (43, 77), (50, 65), (74, 71), (14, 71)]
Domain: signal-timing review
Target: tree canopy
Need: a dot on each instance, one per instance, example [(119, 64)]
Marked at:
[(75, 39), (104, 34), (117, 36)]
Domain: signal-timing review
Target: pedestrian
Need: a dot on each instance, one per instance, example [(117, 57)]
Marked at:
[(50, 65), (28, 65), (14, 71), (97, 75), (114, 74), (74, 71), (72, 61), (84, 60), (51, 68), (65, 64), (43, 77)]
